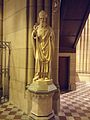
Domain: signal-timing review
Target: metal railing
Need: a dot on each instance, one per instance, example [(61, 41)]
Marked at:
[(4, 70)]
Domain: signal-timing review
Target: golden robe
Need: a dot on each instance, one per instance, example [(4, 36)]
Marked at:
[(43, 47)]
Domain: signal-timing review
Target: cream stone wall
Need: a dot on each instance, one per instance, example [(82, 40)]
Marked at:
[(72, 76), (15, 32), (1, 24), (83, 54)]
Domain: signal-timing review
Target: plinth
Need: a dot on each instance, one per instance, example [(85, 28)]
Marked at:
[(42, 92)]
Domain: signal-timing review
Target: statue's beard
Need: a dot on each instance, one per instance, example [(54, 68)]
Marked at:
[(43, 24)]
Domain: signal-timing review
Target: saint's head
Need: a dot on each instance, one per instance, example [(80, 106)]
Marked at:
[(43, 18)]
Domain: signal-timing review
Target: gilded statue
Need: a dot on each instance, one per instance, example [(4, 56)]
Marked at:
[(43, 46)]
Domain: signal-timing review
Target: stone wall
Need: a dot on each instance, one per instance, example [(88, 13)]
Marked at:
[(15, 29)]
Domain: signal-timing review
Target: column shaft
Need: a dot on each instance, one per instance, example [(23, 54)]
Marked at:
[(40, 5), (48, 9), (32, 21), (56, 27)]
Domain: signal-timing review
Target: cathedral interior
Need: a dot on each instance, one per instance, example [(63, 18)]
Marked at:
[(70, 20)]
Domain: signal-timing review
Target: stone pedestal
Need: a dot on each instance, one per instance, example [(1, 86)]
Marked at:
[(42, 92)]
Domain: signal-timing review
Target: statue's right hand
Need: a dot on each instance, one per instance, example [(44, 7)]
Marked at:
[(35, 30), (34, 27)]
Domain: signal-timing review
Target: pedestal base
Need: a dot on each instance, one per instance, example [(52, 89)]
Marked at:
[(42, 93), (49, 117)]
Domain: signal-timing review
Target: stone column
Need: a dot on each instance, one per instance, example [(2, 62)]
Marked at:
[(47, 8), (1, 38), (78, 56), (56, 28), (81, 53), (32, 21), (88, 46), (40, 6), (31, 16), (85, 49)]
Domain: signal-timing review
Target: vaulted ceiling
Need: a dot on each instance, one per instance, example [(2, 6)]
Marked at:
[(73, 15)]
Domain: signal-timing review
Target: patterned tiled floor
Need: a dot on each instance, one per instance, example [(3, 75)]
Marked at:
[(74, 105), (10, 112)]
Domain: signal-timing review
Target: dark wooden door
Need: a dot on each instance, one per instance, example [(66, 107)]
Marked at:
[(64, 73)]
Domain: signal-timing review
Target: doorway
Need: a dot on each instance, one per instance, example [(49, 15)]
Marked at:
[(64, 72)]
